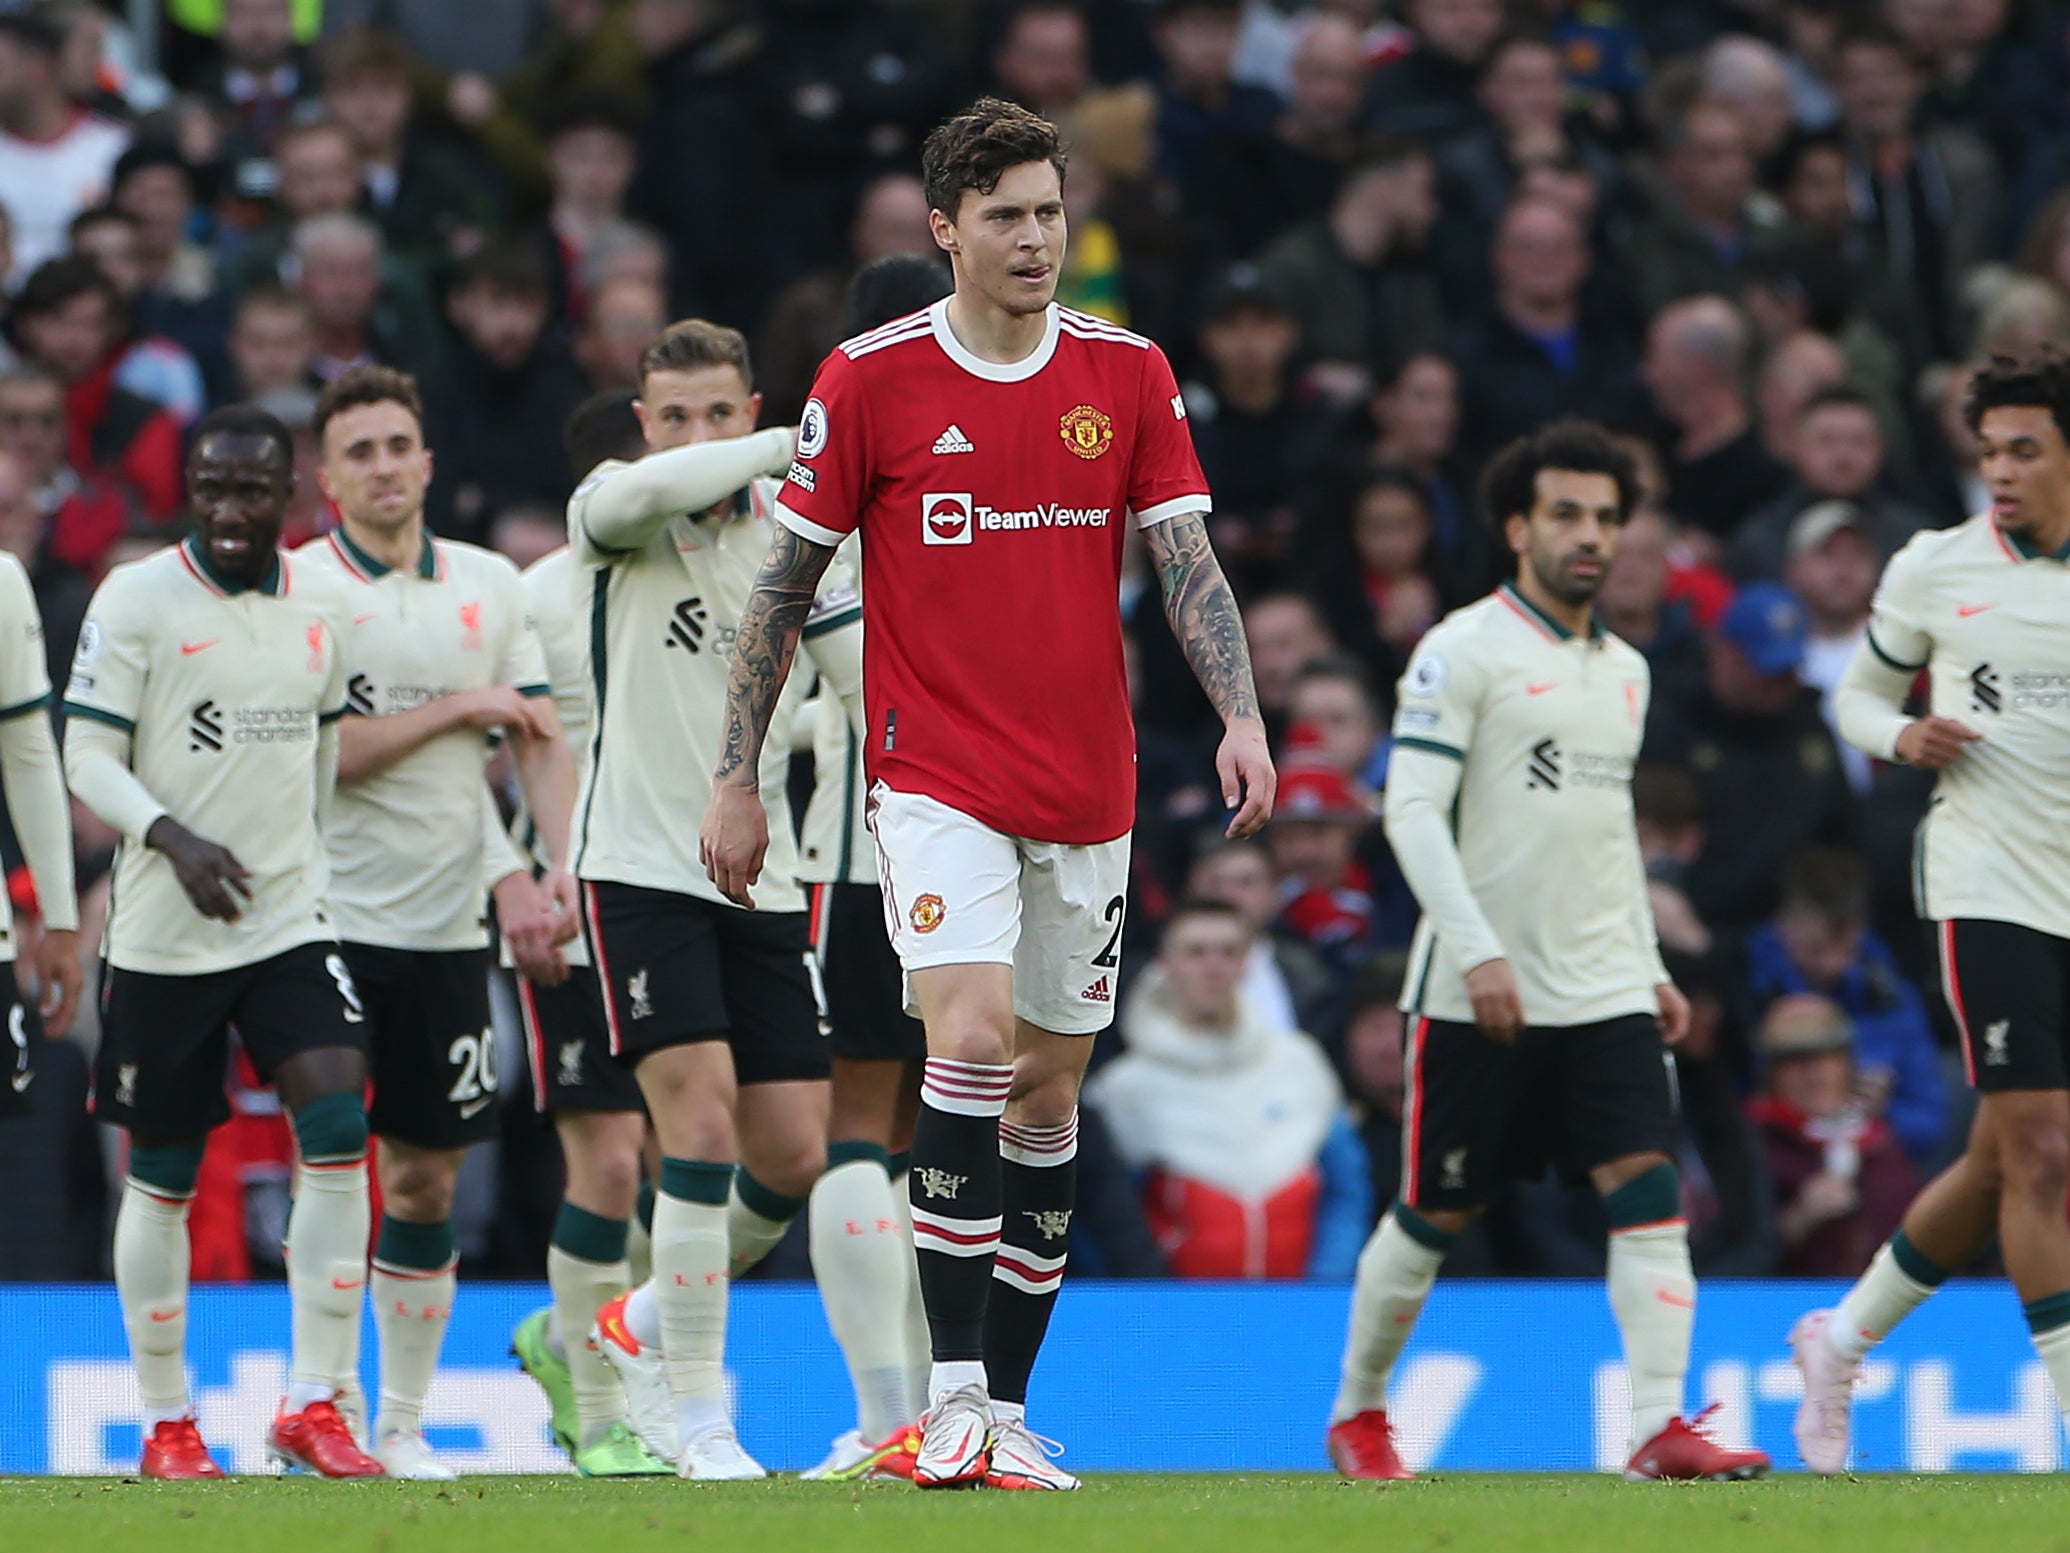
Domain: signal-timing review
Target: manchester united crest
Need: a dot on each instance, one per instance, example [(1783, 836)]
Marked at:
[(927, 913), (1086, 431)]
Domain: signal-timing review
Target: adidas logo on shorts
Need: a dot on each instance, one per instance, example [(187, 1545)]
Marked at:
[(1098, 992), (953, 441)]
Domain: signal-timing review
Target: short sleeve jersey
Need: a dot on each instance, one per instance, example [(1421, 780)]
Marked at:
[(1547, 728), (24, 679), (221, 691), (661, 623), (991, 500), (1988, 619), (406, 843)]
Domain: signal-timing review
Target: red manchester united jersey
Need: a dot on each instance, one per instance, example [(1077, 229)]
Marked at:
[(991, 501)]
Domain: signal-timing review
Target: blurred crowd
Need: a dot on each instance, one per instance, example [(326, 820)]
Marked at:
[(1761, 239)]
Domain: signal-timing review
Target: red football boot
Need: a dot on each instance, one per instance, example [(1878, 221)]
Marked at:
[(174, 1453), (899, 1450), (318, 1440), (1363, 1447), (1684, 1452)]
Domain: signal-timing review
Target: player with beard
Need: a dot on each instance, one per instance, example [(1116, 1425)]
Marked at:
[(1536, 996)]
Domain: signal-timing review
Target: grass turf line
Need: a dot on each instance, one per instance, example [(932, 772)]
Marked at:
[(1197, 1514)]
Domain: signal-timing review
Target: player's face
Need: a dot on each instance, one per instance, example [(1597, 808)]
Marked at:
[(704, 404), (375, 465), (1569, 537), (238, 485), (2023, 459), (1008, 246)]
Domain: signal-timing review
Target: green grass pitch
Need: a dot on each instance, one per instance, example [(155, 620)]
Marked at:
[(1454, 1513)]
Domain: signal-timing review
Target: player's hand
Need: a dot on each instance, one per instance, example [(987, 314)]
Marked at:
[(1244, 763), (526, 915), (1934, 743), (499, 706), (58, 979), (563, 898), (733, 840), (1674, 1012), (1498, 1008), (211, 875)]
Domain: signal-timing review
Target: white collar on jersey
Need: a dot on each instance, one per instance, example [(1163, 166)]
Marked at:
[(996, 371)]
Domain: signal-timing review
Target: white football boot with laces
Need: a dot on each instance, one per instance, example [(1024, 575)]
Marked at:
[(954, 1440), (1822, 1417)]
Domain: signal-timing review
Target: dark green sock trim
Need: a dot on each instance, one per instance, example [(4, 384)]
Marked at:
[(2048, 1313), (1645, 1199), (1420, 1229), (696, 1180), (643, 1206), (169, 1169), (1913, 1263), (848, 1152), (332, 1130), (764, 1202), (588, 1235), (414, 1248), (898, 1164)]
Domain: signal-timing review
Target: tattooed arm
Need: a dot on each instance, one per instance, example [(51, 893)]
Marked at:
[(736, 828), (1205, 619)]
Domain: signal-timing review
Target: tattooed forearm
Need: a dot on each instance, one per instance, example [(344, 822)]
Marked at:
[(1203, 613), (762, 652)]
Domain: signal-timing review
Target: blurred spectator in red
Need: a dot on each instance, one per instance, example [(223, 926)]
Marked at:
[(1357, 278), (590, 146), (80, 514), (1838, 454), (625, 313), (1325, 890), (149, 365), (1819, 941), (1841, 1180), (432, 199), (1256, 432), (272, 343), (1198, 98), (1042, 60), (1336, 719), (55, 157), (1696, 370), (1750, 732), (69, 320), (1252, 1168), (496, 412), (1697, 240), (1430, 92), (1255, 184), (1832, 566), (1540, 354), (1928, 199), (1282, 978), (804, 321), (1375, 582)]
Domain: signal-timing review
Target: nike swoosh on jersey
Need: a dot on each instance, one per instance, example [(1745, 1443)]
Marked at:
[(1964, 611), (1539, 690), (360, 620), (189, 649), (168, 1315), (347, 1283)]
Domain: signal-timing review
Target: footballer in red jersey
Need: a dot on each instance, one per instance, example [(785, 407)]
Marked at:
[(989, 450)]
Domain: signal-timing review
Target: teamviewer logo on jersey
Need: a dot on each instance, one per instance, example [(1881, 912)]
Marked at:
[(945, 518)]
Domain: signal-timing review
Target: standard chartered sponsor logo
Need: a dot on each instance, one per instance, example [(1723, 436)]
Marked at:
[(2040, 690), (1591, 770), (272, 724), (1048, 515)]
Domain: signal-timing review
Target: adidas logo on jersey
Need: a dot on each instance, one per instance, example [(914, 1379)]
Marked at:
[(953, 441), (1098, 992)]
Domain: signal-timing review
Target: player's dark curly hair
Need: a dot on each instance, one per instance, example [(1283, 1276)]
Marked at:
[(246, 420), (366, 384), (975, 148), (1510, 485), (2040, 381)]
